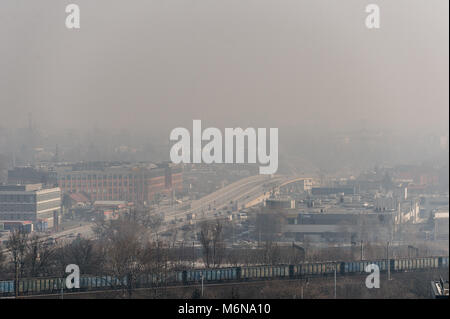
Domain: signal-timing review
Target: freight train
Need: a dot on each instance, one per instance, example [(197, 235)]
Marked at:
[(35, 286)]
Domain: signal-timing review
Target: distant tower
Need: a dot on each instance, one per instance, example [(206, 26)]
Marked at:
[(30, 123), (56, 157), (31, 138)]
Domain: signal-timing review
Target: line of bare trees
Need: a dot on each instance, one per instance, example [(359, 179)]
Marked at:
[(128, 248)]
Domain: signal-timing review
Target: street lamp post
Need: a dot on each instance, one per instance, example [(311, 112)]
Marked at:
[(62, 288), (388, 261), (335, 266), (335, 273), (201, 276), (362, 250)]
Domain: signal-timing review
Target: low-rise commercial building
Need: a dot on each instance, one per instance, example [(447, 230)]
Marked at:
[(338, 225), (30, 202)]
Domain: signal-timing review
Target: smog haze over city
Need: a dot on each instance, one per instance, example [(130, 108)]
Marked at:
[(105, 177)]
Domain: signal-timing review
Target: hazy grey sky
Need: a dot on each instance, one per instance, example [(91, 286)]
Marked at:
[(158, 64)]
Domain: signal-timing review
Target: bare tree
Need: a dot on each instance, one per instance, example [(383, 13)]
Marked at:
[(39, 257), (205, 238), (234, 257), (2, 263), (212, 243), (17, 245), (218, 247), (124, 245), (274, 255), (268, 225), (146, 217), (174, 237), (82, 252)]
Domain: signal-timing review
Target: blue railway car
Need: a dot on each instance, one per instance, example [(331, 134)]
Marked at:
[(54, 285), (6, 287), (443, 261)]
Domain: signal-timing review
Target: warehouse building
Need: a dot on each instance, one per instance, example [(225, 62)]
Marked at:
[(338, 225)]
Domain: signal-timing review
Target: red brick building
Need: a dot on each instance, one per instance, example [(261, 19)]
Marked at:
[(120, 182)]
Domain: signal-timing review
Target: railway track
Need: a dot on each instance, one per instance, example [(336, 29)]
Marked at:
[(54, 286)]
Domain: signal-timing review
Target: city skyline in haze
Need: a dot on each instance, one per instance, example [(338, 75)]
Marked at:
[(310, 68)]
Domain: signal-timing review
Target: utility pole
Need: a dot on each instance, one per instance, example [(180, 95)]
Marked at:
[(16, 284), (202, 283), (232, 226), (335, 270), (388, 261), (62, 288), (193, 254), (362, 251), (304, 284), (335, 266), (259, 240)]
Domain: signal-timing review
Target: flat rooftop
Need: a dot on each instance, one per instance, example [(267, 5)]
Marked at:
[(20, 188), (441, 215), (109, 203)]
